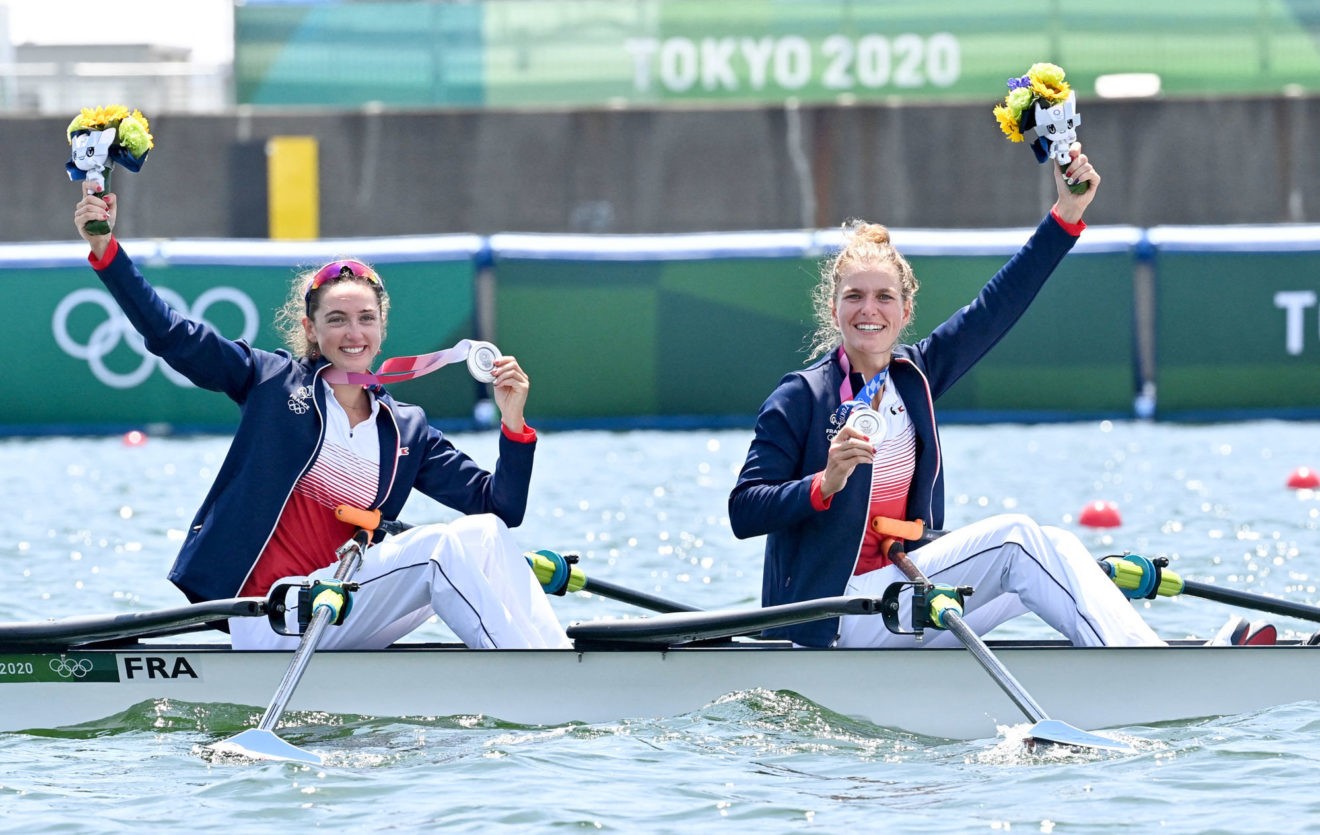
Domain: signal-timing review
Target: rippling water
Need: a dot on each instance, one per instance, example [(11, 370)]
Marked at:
[(93, 525)]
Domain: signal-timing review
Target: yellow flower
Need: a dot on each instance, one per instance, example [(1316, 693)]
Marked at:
[(1008, 123), (1047, 82), (98, 118)]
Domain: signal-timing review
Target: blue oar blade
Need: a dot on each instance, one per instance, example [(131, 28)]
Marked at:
[(1054, 732), (258, 744)]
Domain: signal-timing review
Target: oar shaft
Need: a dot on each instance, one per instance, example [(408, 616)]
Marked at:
[(1251, 601), (674, 628), (995, 668), (977, 647), (550, 567), (634, 598), (81, 630), (301, 658), (348, 566)]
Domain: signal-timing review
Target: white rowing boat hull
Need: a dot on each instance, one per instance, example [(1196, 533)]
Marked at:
[(938, 692)]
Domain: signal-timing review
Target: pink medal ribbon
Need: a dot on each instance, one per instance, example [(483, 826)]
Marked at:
[(856, 411), (480, 358)]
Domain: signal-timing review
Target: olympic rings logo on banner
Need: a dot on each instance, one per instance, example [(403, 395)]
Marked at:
[(69, 668), (105, 337)]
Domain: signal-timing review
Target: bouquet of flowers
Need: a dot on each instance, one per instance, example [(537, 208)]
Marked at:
[(1041, 107), (99, 138)]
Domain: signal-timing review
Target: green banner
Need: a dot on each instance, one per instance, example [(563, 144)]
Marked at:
[(503, 53), (1238, 324), (664, 338), (1071, 355), (699, 328), (709, 328), (58, 667)]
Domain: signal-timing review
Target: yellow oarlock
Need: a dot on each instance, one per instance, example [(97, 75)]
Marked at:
[(1141, 577), (333, 595), (556, 573), (940, 601)]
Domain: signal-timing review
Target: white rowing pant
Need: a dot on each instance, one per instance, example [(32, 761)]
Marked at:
[(470, 572), (1014, 566)]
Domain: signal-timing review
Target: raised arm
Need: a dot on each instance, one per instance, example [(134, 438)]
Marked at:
[(193, 348)]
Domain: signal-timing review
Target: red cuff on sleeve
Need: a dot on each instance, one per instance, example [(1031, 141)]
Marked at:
[(818, 501), (1073, 229), (527, 436), (104, 261)]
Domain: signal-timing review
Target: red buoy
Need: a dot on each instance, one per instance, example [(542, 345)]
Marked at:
[(1304, 478), (135, 438), (1100, 514)]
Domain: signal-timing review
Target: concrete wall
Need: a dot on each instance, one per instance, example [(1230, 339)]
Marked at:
[(1212, 161)]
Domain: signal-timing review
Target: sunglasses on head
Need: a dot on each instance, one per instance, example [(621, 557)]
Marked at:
[(336, 270)]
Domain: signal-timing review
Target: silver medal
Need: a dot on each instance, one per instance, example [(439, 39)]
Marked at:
[(867, 421), (481, 361)]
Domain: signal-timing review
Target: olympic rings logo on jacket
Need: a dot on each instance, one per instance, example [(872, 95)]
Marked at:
[(107, 336)]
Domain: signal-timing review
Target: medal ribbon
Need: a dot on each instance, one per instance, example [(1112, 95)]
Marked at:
[(398, 369), (869, 391), (863, 397)]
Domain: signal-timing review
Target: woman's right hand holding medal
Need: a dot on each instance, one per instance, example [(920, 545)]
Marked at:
[(849, 449)]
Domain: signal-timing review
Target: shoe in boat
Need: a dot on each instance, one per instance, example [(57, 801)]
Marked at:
[(1237, 632)]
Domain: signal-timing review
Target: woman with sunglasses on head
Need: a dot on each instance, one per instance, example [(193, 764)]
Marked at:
[(307, 442), (815, 475)]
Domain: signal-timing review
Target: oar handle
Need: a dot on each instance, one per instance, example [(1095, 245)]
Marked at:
[(900, 529), (367, 520)]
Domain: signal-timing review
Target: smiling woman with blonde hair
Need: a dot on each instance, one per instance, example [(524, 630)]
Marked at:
[(854, 437)]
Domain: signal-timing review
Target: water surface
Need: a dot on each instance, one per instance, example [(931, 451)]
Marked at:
[(94, 524)]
